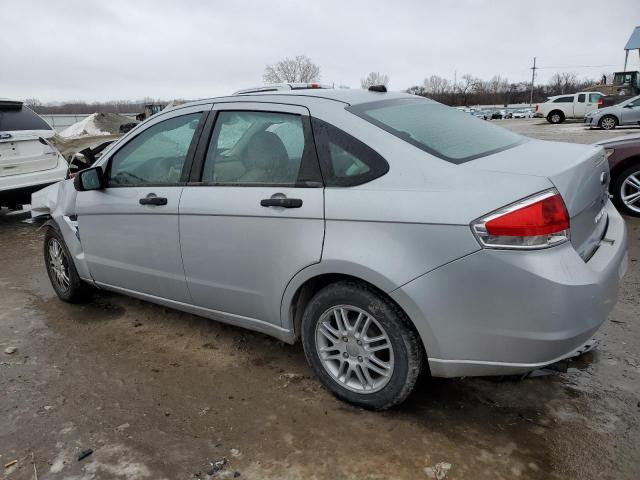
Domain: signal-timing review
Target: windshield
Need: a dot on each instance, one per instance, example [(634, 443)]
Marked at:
[(13, 119), (437, 129)]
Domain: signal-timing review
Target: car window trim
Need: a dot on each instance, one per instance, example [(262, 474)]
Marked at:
[(186, 166), (309, 158)]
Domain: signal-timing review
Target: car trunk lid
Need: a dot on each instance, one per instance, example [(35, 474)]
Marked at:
[(26, 152), (579, 172)]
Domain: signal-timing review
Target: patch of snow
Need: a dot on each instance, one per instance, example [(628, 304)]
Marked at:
[(86, 126)]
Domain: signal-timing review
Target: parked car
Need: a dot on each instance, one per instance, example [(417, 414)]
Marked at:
[(506, 114), (624, 162), (28, 161), (624, 113), (496, 115), (523, 114), (389, 233), (482, 114), (557, 109)]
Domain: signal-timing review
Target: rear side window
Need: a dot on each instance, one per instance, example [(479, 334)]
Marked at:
[(13, 119), (258, 148), (345, 160), (581, 97), (568, 99), (437, 129)]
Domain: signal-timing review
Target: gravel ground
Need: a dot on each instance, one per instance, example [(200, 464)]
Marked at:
[(161, 394)]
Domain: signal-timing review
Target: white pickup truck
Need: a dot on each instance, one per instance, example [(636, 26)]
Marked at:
[(557, 109)]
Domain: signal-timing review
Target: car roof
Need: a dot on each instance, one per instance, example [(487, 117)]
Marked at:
[(346, 96)]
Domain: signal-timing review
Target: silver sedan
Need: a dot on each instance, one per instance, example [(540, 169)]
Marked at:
[(626, 112), (391, 234)]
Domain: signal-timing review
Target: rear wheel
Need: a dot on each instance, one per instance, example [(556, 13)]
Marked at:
[(626, 190), (361, 345), (61, 270), (608, 122), (555, 116)]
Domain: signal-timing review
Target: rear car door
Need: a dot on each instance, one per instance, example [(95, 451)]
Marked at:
[(129, 230), (253, 214), (579, 105)]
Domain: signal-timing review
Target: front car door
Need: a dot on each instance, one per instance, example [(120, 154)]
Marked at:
[(630, 113), (129, 230), (253, 216)]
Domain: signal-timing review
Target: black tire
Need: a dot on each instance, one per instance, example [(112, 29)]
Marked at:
[(608, 122), (77, 291), (555, 117), (406, 345), (616, 189)]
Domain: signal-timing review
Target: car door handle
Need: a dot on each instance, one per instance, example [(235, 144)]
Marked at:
[(281, 202), (152, 199)]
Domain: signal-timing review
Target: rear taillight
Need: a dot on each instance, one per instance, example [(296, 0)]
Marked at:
[(537, 106), (600, 102), (539, 221)]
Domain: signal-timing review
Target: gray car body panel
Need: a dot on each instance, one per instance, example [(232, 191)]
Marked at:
[(478, 311)]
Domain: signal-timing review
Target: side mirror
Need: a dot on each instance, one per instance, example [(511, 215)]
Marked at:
[(89, 179)]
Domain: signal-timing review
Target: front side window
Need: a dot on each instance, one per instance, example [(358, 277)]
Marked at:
[(155, 156), (258, 148), (437, 129)]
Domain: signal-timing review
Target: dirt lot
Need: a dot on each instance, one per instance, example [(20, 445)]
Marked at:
[(159, 394)]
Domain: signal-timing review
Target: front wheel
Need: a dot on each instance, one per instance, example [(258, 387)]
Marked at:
[(608, 122), (626, 190), (61, 270), (361, 345)]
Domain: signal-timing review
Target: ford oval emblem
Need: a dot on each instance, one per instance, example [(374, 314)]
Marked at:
[(604, 176)]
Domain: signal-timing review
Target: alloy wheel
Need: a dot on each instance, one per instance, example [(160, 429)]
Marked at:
[(58, 265), (630, 191), (608, 123), (354, 349)]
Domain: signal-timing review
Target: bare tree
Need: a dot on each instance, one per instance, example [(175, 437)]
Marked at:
[(292, 70), (436, 85), (32, 103), (374, 78)]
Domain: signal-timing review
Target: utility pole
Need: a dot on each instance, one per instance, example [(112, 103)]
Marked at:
[(533, 77)]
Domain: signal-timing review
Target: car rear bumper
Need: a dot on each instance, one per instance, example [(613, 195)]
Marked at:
[(18, 188), (498, 312)]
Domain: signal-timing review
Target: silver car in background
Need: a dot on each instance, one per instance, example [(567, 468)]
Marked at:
[(391, 234), (626, 112)]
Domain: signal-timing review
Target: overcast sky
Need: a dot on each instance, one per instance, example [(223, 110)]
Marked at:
[(107, 50)]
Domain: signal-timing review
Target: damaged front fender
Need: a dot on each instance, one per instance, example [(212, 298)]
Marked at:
[(58, 203)]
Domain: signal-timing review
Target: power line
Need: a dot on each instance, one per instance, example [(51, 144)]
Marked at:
[(579, 66)]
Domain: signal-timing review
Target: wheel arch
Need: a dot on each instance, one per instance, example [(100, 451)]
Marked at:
[(622, 165), (312, 279), (615, 117)]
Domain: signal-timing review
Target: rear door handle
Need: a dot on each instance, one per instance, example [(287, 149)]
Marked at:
[(281, 202), (153, 199)]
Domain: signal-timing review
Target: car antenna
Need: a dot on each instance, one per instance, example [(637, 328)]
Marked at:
[(378, 88)]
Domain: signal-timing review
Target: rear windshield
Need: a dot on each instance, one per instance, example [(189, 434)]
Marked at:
[(445, 132), (12, 119)]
